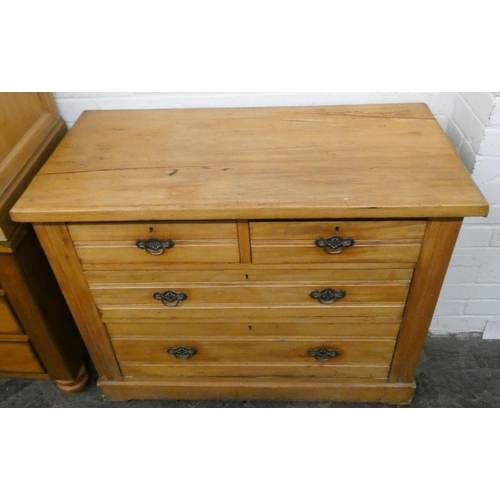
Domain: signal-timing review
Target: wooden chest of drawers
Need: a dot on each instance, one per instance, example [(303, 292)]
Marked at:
[(263, 253)]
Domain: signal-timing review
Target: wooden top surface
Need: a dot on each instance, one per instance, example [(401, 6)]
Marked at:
[(378, 161)]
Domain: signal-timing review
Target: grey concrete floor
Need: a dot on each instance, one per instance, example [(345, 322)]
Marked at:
[(454, 372)]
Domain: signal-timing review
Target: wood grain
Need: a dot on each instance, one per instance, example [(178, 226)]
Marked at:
[(253, 313), (37, 318), (184, 252), (247, 274), (16, 357), (248, 164), (30, 129), (263, 294), (41, 309), (245, 194), (437, 249), (60, 251), (276, 330), (8, 322), (298, 252), (378, 231), (244, 350), (243, 269), (76, 384), (284, 389), (244, 242), (194, 243), (20, 110), (141, 371), (130, 233)]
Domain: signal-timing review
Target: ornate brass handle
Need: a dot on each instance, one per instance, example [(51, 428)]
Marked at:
[(170, 298), (182, 352), (323, 354), (335, 244), (328, 296), (155, 246)]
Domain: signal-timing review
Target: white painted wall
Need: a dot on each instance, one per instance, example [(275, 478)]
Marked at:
[(72, 104), (470, 300), (471, 295)]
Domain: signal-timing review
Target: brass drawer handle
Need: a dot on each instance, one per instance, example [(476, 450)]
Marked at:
[(182, 352), (155, 246), (328, 296), (170, 298), (335, 244), (324, 354)]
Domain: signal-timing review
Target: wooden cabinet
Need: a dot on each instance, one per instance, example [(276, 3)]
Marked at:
[(38, 336), (30, 129), (290, 253)]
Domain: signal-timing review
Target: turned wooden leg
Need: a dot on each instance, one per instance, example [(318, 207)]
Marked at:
[(77, 385)]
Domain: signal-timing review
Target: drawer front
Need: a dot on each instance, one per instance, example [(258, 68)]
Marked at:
[(191, 295), (248, 274), (359, 313), (190, 301), (156, 243), (254, 357), (8, 322), (235, 330), (18, 357), (336, 242)]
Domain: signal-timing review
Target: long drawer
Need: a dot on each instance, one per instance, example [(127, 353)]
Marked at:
[(243, 275), (176, 243), (321, 357), (359, 313), (8, 322), (264, 299), (332, 330), (336, 242), (263, 294)]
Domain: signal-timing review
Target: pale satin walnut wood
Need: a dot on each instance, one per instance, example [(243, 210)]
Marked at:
[(287, 253)]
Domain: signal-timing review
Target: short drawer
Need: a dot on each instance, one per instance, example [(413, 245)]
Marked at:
[(156, 243), (195, 357), (336, 242), (8, 322), (18, 357)]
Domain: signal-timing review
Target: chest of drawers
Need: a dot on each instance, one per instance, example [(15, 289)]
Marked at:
[(289, 253)]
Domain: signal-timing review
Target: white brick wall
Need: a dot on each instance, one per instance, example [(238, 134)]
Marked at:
[(471, 295), (468, 122)]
